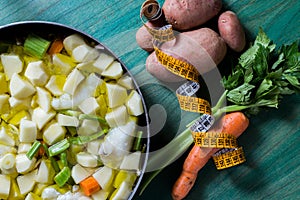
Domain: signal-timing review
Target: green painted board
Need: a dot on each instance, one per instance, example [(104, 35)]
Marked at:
[(271, 143)]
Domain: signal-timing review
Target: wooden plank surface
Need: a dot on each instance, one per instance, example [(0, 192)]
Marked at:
[(271, 143)]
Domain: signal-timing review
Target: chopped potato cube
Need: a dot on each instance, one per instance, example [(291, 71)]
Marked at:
[(55, 84), (28, 131), (5, 186), (36, 74), (20, 88), (11, 64), (89, 106), (116, 95), (73, 80), (54, 133)]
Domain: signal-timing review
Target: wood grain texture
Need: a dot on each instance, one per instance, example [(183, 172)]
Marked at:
[(271, 143)]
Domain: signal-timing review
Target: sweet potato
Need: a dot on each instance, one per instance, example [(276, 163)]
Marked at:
[(187, 14), (144, 39), (203, 48), (232, 31)]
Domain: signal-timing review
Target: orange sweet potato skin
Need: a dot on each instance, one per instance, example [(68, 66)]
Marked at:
[(187, 14), (211, 42), (232, 31), (196, 47), (144, 39)]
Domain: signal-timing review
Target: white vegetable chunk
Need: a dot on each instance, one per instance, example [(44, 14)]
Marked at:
[(12, 171), (79, 173), (101, 195), (65, 120), (88, 127), (55, 84), (24, 147), (73, 80), (117, 143), (86, 159), (43, 99), (123, 192), (26, 182), (117, 117), (5, 186), (87, 67), (20, 88), (50, 193), (63, 63), (36, 74), (62, 102), (28, 131), (8, 161), (104, 176), (23, 164), (131, 161), (72, 41), (11, 64), (89, 106), (93, 147), (113, 71), (54, 133), (6, 138), (45, 172), (41, 117), (86, 88), (134, 104), (4, 149), (127, 82), (24, 103), (102, 62), (116, 95), (84, 53)]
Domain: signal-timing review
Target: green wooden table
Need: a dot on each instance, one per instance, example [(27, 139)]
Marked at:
[(272, 141)]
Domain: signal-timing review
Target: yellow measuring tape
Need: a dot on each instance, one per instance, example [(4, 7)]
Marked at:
[(226, 158), (229, 155)]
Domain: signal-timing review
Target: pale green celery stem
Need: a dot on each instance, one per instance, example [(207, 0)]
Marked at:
[(171, 151)]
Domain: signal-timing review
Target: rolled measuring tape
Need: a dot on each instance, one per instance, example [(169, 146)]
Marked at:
[(229, 154)]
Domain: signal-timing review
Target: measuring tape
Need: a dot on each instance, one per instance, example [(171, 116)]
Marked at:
[(230, 154)]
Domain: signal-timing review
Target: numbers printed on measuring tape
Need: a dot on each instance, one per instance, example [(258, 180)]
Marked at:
[(178, 67), (194, 104), (203, 124), (229, 158), (189, 88), (161, 35), (214, 140), (229, 155)]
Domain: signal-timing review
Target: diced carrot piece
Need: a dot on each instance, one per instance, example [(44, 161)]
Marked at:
[(41, 151), (56, 47), (90, 186)]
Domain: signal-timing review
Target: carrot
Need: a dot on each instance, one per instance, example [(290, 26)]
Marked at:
[(90, 186), (41, 151), (56, 47), (233, 123)]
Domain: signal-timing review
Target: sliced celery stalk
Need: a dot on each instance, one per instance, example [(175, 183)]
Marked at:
[(36, 46)]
